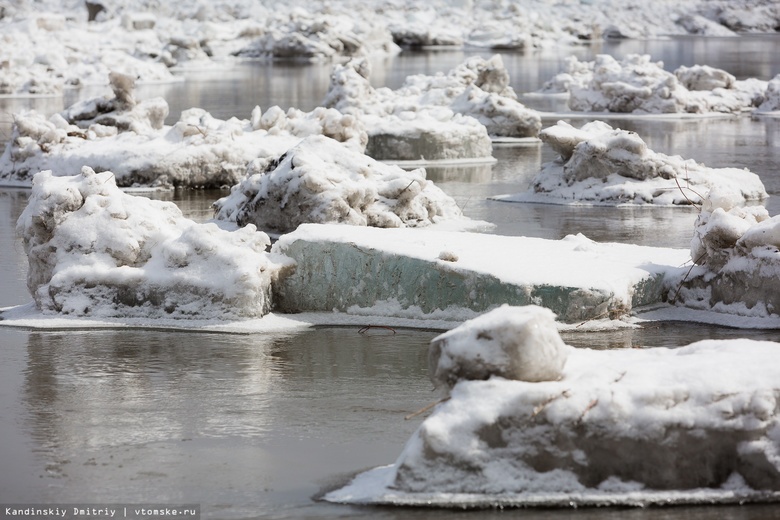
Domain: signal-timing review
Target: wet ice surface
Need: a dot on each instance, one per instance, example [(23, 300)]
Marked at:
[(254, 426)]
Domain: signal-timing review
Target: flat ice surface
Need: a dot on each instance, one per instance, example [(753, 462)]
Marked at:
[(695, 424), (435, 273)]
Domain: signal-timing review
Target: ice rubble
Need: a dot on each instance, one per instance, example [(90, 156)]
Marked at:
[(95, 251), (638, 85), (48, 45), (321, 181), (602, 165), (434, 117), (737, 255), (638, 426), (438, 274), (129, 138), (318, 35)]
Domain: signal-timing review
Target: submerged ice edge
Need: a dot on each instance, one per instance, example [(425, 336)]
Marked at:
[(373, 487)]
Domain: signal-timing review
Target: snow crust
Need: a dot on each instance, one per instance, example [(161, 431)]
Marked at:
[(339, 268), (638, 85), (321, 181), (436, 117), (602, 165), (637, 426), (129, 138), (95, 251), (737, 255)]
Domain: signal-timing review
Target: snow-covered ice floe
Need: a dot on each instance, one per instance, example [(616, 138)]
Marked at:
[(94, 251), (637, 85), (302, 34), (434, 117), (531, 421), (601, 165), (130, 139), (737, 255), (435, 273), (321, 181)]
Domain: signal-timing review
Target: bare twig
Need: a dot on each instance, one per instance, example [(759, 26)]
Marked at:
[(679, 287), (426, 408), (365, 329)]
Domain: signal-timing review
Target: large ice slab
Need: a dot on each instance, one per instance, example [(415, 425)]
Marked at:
[(95, 251), (698, 423), (352, 269), (601, 165)]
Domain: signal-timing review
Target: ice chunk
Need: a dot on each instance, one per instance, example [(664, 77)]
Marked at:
[(321, 181), (95, 251), (639, 426), (602, 165), (128, 138), (737, 252), (347, 267), (520, 343), (638, 85), (434, 116), (771, 101), (319, 35)]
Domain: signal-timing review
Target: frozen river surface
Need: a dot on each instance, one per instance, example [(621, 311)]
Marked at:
[(256, 426)]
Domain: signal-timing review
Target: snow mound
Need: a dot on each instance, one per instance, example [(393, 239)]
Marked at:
[(737, 255), (95, 251), (448, 110), (638, 426), (44, 53), (638, 85), (318, 36), (129, 138), (321, 181), (520, 343), (602, 165)]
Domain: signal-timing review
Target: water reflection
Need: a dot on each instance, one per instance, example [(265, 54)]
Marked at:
[(13, 260), (214, 418)]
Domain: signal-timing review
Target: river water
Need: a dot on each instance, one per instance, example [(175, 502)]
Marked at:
[(256, 426)]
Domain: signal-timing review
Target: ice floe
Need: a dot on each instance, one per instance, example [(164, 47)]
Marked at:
[(305, 34), (638, 85), (695, 424), (128, 138), (736, 251), (95, 251), (434, 117), (601, 165), (49, 46), (321, 181), (432, 273)]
